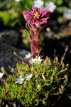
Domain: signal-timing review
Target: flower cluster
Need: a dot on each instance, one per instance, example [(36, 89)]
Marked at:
[(38, 3), (37, 60), (50, 6), (30, 84), (35, 17), (1, 75), (67, 14), (17, 0), (20, 79), (36, 20), (28, 56)]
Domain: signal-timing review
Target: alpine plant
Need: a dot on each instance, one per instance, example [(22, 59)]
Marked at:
[(36, 20)]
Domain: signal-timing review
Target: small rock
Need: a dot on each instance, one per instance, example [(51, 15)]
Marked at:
[(24, 52), (7, 57), (10, 37)]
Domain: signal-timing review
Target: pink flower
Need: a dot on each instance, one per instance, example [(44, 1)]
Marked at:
[(38, 18)]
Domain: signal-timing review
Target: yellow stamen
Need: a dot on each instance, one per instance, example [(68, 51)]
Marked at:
[(37, 15)]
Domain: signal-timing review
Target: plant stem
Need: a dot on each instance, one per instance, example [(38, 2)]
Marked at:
[(36, 48)]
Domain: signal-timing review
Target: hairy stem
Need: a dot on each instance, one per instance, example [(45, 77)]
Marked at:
[(36, 48)]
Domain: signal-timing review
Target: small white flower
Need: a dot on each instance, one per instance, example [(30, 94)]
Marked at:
[(43, 77), (2, 69), (6, 105), (14, 105), (36, 76), (50, 6), (12, 69), (35, 60), (67, 14), (38, 86), (28, 56), (38, 60), (1, 75), (20, 80), (28, 76), (17, 0), (38, 3)]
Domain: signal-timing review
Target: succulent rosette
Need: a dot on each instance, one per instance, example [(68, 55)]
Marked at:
[(35, 17), (36, 20)]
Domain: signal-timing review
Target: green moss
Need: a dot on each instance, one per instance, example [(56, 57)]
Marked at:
[(37, 89)]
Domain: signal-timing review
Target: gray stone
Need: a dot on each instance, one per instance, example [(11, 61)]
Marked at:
[(24, 52), (10, 37), (7, 57)]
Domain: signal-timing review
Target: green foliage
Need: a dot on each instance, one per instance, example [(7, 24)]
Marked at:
[(26, 39), (48, 78), (3, 4), (24, 3), (10, 11), (58, 2), (8, 18), (61, 9)]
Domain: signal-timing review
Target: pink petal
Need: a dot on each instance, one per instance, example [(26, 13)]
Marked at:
[(37, 23), (43, 11), (27, 16), (33, 7), (47, 14), (29, 10), (44, 21), (40, 10), (34, 21), (44, 18)]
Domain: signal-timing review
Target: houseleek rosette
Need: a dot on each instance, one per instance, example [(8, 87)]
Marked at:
[(36, 20)]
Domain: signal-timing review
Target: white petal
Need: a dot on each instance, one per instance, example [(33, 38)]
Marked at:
[(20, 82), (1, 75), (28, 56), (26, 75), (16, 81), (50, 6), (20, 77), (67, 14), (17, 0), (38, 3), (38, 86)]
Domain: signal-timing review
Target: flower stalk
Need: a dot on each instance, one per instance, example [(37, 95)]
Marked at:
[(36, 48), (36, 20)]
